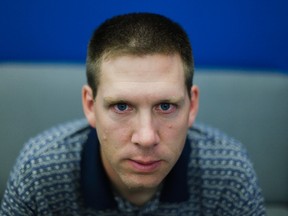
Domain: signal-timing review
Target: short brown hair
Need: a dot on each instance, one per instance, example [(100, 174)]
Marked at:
[(137, 34)]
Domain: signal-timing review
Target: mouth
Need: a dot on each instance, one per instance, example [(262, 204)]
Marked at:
[(145, 166)]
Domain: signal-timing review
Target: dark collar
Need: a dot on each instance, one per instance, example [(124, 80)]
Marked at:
[(96, 187)]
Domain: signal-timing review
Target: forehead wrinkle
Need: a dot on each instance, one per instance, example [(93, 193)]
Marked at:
[(132, 92), (114, 65), (133, 99)]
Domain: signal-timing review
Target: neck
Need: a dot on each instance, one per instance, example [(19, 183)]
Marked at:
[(138, 196)]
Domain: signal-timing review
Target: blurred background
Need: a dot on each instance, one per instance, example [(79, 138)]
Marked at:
[(240, 33)]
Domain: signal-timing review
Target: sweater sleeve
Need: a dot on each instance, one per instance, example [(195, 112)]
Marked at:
[(19, 195), (242, 195)]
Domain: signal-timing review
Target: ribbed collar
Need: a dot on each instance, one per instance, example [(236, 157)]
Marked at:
[(97, 189)]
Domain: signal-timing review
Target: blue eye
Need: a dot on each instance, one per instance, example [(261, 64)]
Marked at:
[(121, 106), (165, 106)]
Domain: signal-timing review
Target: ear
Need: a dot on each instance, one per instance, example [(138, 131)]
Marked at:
[(88, 105), (194, 104)]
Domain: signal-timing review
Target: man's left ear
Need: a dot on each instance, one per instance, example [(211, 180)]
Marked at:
[(194, 104)]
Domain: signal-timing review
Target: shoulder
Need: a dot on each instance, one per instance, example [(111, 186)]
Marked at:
[(62, 138), (47, 170), (213, 150), (211, 143), (221, 171), (50, 154)]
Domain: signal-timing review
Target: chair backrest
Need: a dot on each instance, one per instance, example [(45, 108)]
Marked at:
[(34, 97), (252, 107)]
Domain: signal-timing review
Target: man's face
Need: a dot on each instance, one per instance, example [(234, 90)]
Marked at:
[(141, 113)]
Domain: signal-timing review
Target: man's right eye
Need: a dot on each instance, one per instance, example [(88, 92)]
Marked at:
[(121, 107)]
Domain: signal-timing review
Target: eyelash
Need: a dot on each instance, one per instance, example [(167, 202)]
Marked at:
[(171, 108), (117, 110)]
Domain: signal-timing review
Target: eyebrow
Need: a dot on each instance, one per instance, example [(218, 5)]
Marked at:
[(114, 100), (173, 100), (111, 100)]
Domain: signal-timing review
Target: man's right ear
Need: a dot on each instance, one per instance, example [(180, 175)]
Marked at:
[(88, 105)]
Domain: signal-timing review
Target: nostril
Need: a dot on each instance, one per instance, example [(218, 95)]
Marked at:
[(145, 138), (145, 132)]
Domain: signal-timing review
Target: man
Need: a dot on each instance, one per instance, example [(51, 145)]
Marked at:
[(139, 153)]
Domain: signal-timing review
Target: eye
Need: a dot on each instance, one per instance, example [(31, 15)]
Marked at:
[(166, 108), (121, 107)]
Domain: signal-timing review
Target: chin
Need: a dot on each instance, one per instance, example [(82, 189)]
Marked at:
[(143, 182)]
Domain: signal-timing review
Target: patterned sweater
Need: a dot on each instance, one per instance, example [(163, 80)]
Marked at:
[(59, 172)]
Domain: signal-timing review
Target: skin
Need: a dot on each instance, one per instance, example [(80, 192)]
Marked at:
[(141, 113)]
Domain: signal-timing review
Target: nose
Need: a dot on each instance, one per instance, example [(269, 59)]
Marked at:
[(145, 133)]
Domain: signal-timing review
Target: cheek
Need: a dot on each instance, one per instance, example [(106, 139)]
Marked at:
[(112, 142), (108, 128), (174, 133), (177, 127), (113, 135)]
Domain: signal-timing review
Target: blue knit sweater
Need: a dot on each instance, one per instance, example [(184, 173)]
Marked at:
[(59, 172)]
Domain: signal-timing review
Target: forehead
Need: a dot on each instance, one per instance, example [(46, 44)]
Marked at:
[(145, 67), (148, 75)]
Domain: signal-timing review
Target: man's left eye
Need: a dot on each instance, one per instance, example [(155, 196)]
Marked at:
[(166, 107)]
